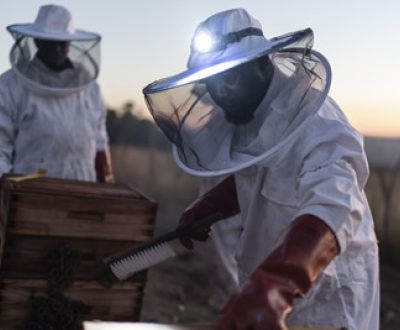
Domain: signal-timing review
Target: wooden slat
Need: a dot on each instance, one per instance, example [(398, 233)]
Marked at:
[(37, 285), (42, 223), (74, 187), (121, 302), (79, 231), (25, 256), (92, 216), (54, 202)]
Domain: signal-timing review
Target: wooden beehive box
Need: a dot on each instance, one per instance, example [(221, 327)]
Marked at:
[(55, 234)]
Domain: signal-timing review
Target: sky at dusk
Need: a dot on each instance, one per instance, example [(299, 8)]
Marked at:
[(143, 41)]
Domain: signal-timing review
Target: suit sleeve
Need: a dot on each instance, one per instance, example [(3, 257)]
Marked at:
[(7, 128), (101, 135), (332, 180)]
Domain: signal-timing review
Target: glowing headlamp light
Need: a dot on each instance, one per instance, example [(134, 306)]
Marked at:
[(205, 42)]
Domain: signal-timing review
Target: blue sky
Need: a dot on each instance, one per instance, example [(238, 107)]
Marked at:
[(148, 40)]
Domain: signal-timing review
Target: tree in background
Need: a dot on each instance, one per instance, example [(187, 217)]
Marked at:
[(128, 129)]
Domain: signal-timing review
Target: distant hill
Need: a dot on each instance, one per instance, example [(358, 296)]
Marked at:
[(382, 152)]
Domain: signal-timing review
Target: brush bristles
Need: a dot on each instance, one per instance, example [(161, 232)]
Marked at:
[(130, 265)]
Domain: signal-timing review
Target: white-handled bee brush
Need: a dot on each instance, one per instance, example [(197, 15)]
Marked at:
[(123, 265)]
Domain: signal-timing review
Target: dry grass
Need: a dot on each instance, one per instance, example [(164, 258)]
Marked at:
[(386, 211), (155, 174)]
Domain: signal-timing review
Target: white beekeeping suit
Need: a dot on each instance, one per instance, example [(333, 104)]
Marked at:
[(257, 111), (220, 250), (52, 118)]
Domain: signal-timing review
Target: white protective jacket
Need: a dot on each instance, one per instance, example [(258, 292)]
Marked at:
[(323, 172), (58, 133)]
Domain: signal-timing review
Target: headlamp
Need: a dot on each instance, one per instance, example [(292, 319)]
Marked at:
[(205, 42)]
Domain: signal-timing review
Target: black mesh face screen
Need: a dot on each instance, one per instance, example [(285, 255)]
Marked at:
[(83, 58), (206, 140)]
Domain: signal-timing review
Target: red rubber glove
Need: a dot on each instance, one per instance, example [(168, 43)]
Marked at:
[(305, 250), (103, 167), (222, 198)]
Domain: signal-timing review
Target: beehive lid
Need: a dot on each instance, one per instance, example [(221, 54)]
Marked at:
[(56, 186)]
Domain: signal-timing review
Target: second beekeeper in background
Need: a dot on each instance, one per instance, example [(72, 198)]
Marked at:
[(52, 115)]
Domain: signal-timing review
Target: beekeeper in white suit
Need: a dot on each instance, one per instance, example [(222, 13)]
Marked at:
[(258, 111), (52, 115)]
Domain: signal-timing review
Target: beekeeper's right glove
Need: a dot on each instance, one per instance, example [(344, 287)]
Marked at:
[(220, 199)]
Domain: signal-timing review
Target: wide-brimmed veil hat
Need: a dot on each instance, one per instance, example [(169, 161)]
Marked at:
[(204, 142), (54, 23)]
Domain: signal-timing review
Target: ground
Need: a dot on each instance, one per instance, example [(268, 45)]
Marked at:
[(390, 296), (179, 291)]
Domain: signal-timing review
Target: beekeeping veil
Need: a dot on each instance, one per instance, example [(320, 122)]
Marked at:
[(54, 23), (204, 142)]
